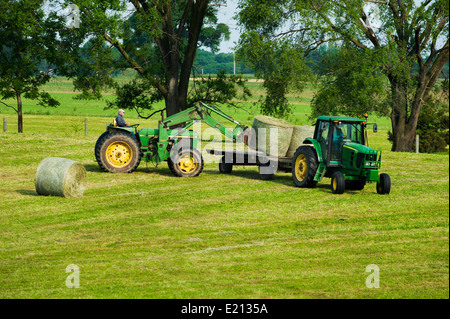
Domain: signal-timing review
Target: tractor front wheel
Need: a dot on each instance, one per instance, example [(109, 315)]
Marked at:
[(384, 185), (117, 152), (186, 163), (304, 167), (337, 183)]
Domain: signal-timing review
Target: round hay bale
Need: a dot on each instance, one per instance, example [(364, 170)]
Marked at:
[(60, 177), (298, 136), (272, 142)]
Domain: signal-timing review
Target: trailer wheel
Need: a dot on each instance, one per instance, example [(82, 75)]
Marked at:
[(267, 172), (225, 168), (384, 185), (187, 163), (304, 167), (117, 152), (337, 183)]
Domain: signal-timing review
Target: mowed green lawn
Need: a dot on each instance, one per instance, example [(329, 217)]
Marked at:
[(151, 235)]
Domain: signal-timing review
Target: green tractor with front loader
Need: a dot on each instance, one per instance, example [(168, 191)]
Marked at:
[(339, 150), (120, 149)]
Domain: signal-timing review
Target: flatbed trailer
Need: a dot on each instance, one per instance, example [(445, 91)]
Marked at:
[(268, 165)]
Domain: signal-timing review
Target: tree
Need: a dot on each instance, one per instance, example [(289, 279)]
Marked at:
[(28, 47), (158, 39), (399, 46)]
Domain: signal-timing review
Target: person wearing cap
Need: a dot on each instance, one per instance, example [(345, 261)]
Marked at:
[(120, 120)]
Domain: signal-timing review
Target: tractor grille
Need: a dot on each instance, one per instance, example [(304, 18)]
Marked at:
[(371, 157), (359, 159)]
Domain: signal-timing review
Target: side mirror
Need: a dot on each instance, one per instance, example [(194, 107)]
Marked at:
[(323, 126), (375, 128)]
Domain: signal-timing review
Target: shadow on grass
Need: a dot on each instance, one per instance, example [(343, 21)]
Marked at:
[(27, 192), (92, 168), (283, 179), (279, 177), (161, 169)]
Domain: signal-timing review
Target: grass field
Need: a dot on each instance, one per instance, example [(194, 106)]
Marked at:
[(151, 235)]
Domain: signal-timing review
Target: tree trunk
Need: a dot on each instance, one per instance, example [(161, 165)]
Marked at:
[(171, 99), (19, 114), (195, 26), (403, 135)]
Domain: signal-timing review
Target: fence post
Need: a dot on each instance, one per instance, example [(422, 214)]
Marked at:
[(85, 127), (4, 124), (417, 143)]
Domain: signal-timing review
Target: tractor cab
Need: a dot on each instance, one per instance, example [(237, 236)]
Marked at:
[(338, 135)]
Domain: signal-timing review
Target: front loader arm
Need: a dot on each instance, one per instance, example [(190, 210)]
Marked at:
[(201, 112)]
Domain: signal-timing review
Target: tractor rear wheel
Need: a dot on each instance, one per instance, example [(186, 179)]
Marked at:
[(117, 152), (304, 167), (186, 163), (337, 183), (384, 185)]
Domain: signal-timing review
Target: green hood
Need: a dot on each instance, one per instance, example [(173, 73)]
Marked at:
[(359, 148)]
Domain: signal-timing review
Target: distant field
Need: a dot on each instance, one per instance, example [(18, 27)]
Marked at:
[(151, 235)]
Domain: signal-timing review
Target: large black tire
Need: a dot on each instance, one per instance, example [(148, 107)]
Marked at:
[(224, 167), (304, 167), (186, 163), (97, 154), (117, 152), (337, 183), (170, 165), (384, 185)]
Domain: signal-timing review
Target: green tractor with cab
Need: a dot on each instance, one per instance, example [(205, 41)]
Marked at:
[(339, 150)]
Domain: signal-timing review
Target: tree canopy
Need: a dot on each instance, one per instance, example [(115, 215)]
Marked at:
[(389, 53), (158, 39), (28, 53)]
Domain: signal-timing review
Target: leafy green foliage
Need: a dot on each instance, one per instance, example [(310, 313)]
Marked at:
[(433, 123), (350, 84), (211, 63), (392, 52), (27, 37), (219, 89), (137, 95), (158, 40), (282, 66)]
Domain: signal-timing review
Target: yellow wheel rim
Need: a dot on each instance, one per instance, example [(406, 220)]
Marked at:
[(334, 184), (119, 154), (301, 167), (187, 164)]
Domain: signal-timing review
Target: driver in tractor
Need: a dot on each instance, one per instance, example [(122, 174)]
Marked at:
[(338, 140), (120, 121)]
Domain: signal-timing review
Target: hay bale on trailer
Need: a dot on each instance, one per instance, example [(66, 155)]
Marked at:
[(298, 136), (60, 177), (272, 135)]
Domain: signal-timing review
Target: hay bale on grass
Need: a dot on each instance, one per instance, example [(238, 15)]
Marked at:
[(272, 135), (60, 177), (298, 136)]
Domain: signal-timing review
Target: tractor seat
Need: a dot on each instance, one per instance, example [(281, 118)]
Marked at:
[(115, 123)]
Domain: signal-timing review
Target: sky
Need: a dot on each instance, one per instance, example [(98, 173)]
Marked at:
[(225, 15)]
